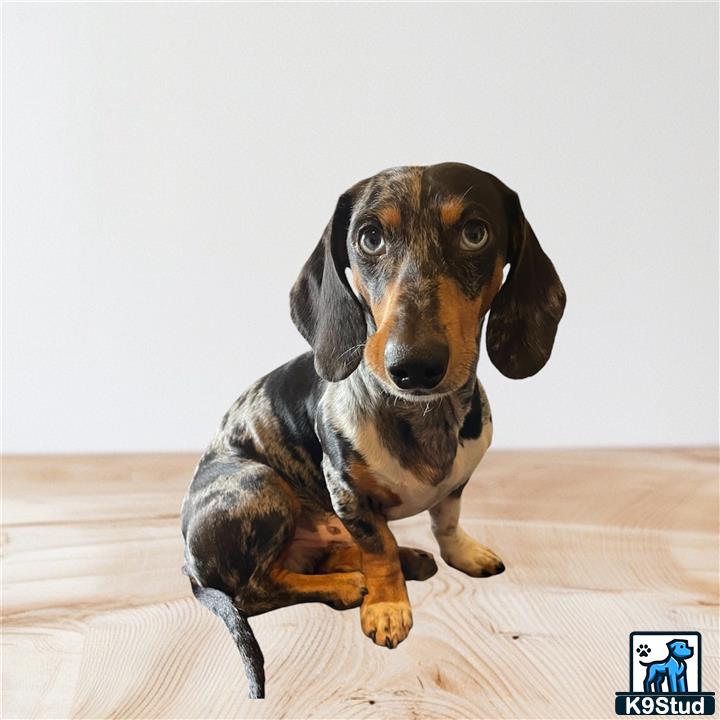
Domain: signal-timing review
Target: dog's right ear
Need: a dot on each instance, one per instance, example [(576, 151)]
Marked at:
[(322, 304)]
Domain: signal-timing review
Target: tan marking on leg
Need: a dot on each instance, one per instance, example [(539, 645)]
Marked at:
[(339, 590)]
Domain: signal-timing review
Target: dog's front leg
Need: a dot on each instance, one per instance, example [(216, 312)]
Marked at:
[(457, 548), (385, 613)]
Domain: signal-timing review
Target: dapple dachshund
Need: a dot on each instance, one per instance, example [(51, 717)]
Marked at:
[(384, 418)]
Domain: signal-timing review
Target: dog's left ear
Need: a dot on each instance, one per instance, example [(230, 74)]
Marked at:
[(322, 304), (524, 315)]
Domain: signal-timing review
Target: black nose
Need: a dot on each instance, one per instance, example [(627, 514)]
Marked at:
[(416, 368)]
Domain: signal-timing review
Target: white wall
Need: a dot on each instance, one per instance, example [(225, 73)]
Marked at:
[(168, 167)]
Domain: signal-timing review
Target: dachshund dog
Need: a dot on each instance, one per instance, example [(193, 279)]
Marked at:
[(384, 419), (672, 669)]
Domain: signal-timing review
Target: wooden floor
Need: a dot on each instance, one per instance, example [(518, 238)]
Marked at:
[(98, 621)]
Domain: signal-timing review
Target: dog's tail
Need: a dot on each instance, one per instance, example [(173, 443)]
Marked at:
[(237, 623)]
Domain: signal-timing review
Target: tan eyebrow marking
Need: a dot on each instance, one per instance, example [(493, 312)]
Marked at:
[(389, 215), (451, 210)]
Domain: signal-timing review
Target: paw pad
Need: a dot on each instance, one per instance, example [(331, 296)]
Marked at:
[(643, 650)]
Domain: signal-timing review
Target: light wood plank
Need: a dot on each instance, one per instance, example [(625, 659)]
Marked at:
[(99, 622)]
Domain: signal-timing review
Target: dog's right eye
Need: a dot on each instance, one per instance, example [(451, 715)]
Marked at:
[(371, 241)]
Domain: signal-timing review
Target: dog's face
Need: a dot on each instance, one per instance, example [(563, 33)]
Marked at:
[(679, 649), (425, 248)]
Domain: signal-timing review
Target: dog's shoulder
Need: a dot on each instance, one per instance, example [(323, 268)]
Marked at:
[(273, 420), (287, 392)]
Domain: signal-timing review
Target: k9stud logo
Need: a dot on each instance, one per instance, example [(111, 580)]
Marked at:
[(665, 676)]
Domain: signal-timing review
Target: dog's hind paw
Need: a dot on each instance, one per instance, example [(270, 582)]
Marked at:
[(417, 564), (350, 589)]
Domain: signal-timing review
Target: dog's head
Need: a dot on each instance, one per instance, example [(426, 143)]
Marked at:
[(679, 649), (425, 249)]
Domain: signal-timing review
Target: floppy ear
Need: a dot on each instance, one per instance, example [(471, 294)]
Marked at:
[(525, 313), (322, 305)]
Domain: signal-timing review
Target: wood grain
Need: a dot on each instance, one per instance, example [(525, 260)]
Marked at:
[(98, 621)]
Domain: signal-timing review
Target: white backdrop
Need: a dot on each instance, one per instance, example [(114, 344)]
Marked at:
[(168, 167)]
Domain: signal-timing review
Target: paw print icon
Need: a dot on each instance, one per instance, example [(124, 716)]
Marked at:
[(643, 650)]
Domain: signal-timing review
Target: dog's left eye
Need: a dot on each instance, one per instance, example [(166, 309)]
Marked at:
[(371, 241), (474, 235)]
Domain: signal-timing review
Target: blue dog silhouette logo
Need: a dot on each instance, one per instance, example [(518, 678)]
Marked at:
[(670, 672), (665, 676)]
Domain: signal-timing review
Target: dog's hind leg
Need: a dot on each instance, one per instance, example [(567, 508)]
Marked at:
[(416, 564), (240, 524), (238, 519), (342, 558)]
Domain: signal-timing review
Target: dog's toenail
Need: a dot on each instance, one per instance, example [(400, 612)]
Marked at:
[(389, 643), (363, 591), (501, 568), (371, 635)]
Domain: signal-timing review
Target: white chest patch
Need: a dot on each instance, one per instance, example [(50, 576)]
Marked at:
[(416, 495), (411, 490)]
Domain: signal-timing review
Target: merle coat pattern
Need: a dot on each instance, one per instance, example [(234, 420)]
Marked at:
[(384, 418)]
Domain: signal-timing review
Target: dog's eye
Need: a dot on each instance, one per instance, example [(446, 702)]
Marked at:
[(474, 235), (371, 241)]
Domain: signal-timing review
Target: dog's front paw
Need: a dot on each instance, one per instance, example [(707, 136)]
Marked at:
[(386, 623), (350, 590), (472, 558)]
